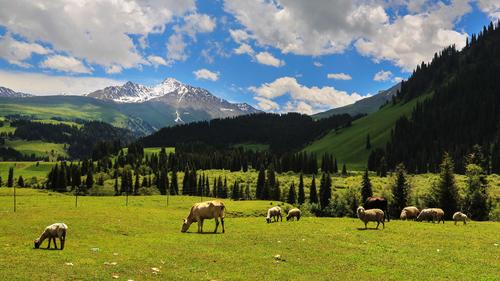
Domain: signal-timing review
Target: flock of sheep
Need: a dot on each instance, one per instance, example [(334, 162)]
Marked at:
[(216, 210)]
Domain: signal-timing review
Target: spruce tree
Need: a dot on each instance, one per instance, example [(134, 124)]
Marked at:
[(477, 204), (186, 190), (313, 194), (292, 196), (368, 143), (89, 181), (10, 179), (301, 197), (1, 182), (276, 191), (174, 185), (446, 193), (366, 187), (325, 191), (235, 192), (20, 181), (116, 186), (335, 167), (400, 191), (261, 182), (344, 170)]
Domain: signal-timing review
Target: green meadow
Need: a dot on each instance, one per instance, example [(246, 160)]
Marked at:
[(142, 241)]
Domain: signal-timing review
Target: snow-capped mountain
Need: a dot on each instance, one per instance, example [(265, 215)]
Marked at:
[(8, 93), (189, 103)]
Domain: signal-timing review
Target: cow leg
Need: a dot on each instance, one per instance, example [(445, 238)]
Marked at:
[(48, 246), (222, 221), (200, 226), (55, 245), (216, 225)]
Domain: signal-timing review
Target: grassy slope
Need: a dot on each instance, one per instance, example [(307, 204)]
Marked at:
[(39, 148), (68, 107), (147, 234), (26, 169), (349, 145)]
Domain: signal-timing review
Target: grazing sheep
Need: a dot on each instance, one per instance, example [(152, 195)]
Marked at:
[(202, 211), (431, 214), (377, 203), (459, 216), (51, 232), (275, 213), (409, 213), (371, 215), (293, 213)]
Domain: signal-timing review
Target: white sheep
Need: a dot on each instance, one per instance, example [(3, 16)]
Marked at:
[(431, 214), (51, 232), (371, 215), (293, 213), (274, 213), (409, 213), (459, 216)]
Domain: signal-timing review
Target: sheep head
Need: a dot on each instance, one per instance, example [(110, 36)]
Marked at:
[(268, 219), (360, 211)]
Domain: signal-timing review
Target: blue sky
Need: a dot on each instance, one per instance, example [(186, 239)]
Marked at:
[(305, 56)]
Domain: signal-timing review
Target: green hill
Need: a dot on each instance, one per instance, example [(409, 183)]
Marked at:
[(349, 144)]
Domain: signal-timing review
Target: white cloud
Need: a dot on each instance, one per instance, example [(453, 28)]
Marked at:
[(244, 49), (16, 52), (266, 104), (193, 24), (268, 59), (317, 64), (156, 60), (43, 84), (491, 8), (318, 98), (206, 74), (113, 69), (95, 31), (382, 76), (65, 64), (339, 76), (327, 27), (411, 39)]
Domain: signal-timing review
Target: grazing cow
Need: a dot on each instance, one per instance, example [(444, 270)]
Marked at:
[(202, 211), (377, 203), (274, 213), (51, 232)]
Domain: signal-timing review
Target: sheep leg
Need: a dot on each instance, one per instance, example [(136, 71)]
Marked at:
[(216, 225), (383, 224), (222, 221), (62, 240), (378, 223)]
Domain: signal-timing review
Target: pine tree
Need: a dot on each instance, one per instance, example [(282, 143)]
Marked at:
[(325, 191), (335, 167), (136, 184), (10, 179), (174, 185), (477, 204), (368, 143), (186, 190), (261, 182), (446, 193), (301, 197), (313, 194), (366, 187), (292, 197), (400, 191), (89, 181), (1, 182), (116, 186), (344, 170), (235, 192), (20, 181), (248, 196), (276, 191)]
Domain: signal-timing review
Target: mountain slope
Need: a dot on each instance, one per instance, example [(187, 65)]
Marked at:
[(8, 93), (364, 106), (348, 145)]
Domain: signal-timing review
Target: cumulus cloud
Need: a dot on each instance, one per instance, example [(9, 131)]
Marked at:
[(268, 59), (193, 24), (206, 74), (317, 98), (96, 31), (327, 27), (491, 8), (339, 76), (244, 49), (65, 64), (382, 76), (44, 84), (156, 60), (266, 104), (317, 64), (16, 52)]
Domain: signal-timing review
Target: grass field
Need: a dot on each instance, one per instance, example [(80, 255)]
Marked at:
[(349, 144), (150, 150), (146, 234), (57, 122), (26, 169), (39, 148), (6, 128)]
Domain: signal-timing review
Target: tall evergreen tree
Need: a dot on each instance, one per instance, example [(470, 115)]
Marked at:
[(325, 191), (174, 185), (235, 191), (344, 170), (20, 181), (368, 142), (366, 187), (335, 167), (276, 191), (292, 196), (313, 194), (89, 181), (10, 179), (1, 182), (400, 191), (302, 196), (136, 184), (477, 204), (445, 192), (116, 186), (186, 190)]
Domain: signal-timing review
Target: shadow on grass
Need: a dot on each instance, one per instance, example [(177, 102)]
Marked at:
[(213, 233), (371, 228), (46, 249)]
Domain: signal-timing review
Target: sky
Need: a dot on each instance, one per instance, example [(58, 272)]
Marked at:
[(277, 55)]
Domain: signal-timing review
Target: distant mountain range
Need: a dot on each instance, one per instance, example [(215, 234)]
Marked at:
[(364, 106), (139, 108)]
